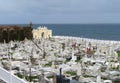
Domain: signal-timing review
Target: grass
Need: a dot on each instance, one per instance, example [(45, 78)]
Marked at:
[(116, 68), (118, 53), (113, 61), (19, 75), (67, 61), (88, 76), (117, 75), (72, 73), (102, 70), (48, 64), (31, 77), (49, 77), (77, 60), (103, 78), (27, 77)]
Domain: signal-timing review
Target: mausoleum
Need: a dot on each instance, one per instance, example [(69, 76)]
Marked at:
[(42, 32)]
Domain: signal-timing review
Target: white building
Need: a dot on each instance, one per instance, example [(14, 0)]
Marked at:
[(42, 32)]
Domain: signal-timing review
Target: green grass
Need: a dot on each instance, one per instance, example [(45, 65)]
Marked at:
[(19, 75), (103, 78), (30, 77), (48, 64), (102, 70), (72, 73), (67, 61), (117, 75), (118, 54), (115, 68), (86, 76), (77, 60), (49, 77), (27, 77), (113, 61)]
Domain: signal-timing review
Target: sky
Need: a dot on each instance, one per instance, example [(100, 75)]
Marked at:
[(59, 11)]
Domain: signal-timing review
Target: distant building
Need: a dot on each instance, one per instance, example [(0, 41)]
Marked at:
[(42, 32), (15, 33)]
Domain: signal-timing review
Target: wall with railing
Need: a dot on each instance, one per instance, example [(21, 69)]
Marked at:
[(9, 78)]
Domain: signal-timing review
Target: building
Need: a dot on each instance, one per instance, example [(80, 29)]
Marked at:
[(15, 33), (42, 32)]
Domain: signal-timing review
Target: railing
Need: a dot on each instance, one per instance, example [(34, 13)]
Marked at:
[(9, 78)]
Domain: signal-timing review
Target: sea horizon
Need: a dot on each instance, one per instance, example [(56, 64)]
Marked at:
[(93, 31)]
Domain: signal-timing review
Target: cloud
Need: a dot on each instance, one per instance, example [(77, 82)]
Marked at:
[(60, 11)]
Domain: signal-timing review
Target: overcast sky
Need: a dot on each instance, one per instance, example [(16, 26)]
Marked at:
[(59, 11)]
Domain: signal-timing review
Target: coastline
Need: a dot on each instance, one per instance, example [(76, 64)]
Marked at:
[(88, 39)]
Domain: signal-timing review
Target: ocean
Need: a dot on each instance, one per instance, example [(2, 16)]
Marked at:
[(94, 31)]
